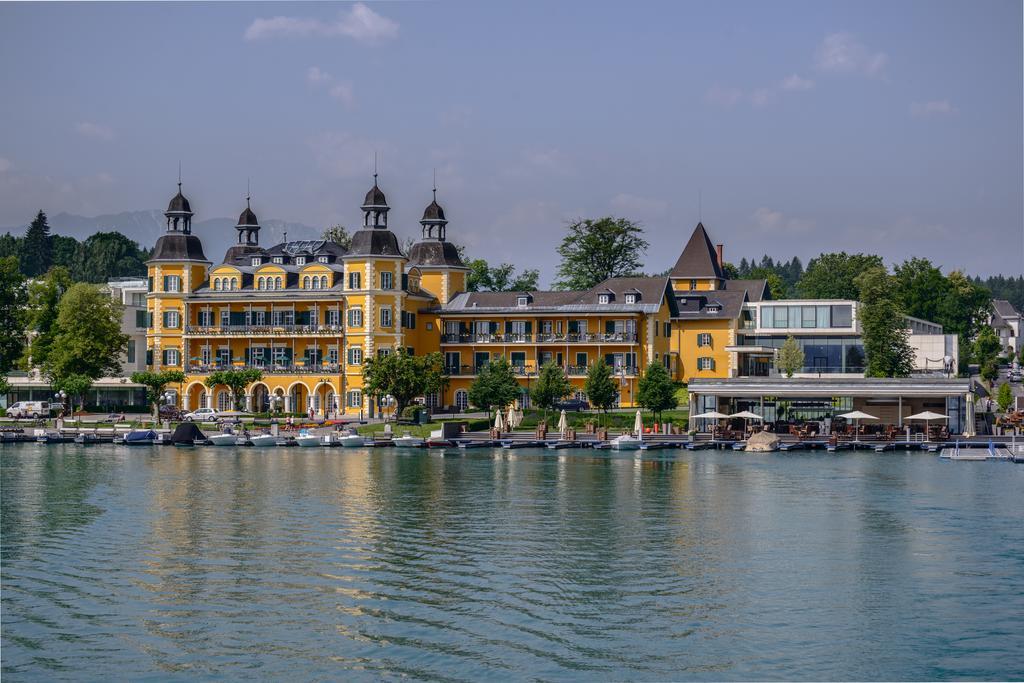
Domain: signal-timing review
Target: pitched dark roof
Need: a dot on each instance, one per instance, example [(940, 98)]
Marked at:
[(757, 290), (179, 204), (1004, 308), (374, 242), (375, 197), (652, 290), (247, 218), (695, 306), (435, 253), (433, 212), (699, 258), (174, 246)]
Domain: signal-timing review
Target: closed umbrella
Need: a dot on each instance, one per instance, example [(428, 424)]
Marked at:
[(499, 421), (969, 426), (857, 416), (563, 424), (927, 416), (512, 421), (638, 425)]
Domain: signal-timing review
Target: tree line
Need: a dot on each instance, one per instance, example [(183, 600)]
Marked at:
[(98, 258)]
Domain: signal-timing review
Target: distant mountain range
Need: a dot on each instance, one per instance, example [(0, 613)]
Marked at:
[(146, 226)]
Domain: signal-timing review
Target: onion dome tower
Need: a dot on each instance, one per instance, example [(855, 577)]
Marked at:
[(433, 249), (248, 228), (374, 239), (178, 243)]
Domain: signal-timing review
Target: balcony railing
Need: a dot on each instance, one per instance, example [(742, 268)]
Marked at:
[(530, 370), (541, 338), (262, 330), (267, 369)]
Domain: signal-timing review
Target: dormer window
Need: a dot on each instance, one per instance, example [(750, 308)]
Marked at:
[(631, 298), (278, 259), (322, 259), (523, 301), (604, 298), (300, 260), (256, 260), (713, 308)]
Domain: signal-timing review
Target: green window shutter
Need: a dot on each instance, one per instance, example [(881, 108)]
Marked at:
[(574, 327), (609, 327), (529, 327), (609, 358), (508, 327), (163, 357)]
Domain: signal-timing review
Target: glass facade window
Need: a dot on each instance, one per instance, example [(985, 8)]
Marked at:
[(809, 316), (842, 316), (780, 316)]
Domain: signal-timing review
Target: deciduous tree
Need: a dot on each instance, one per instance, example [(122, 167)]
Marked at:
[(1004, 397), (594, 250), (985, 351), (13, 313), (155, 382), (884, 326), (551, 386), (339, 235), (43, 300), (483, 277), (833, 276), (495, 385), (87, 336), (791, 356), (403, 377), (235, 379), (599, 386), (656, 391)]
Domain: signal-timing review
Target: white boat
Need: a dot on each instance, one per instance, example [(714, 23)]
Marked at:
[(626, 442), (407, 440), (225, 439), (307, 439), (263, 440), (350, 440)]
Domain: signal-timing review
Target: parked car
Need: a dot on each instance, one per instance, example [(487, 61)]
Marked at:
[(576, 404), (168, 412), (202, 415), (33, 409)]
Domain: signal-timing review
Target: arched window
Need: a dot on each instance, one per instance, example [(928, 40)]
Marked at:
[(305, 282), (277, 283), (323, 282), (224, 400), (316, 282), (234, 283), (216, 283), (461, 399), (259, 283)]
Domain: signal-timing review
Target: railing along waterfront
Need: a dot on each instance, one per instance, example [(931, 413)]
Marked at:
[(541, 338), (262, 330), (268, 369)]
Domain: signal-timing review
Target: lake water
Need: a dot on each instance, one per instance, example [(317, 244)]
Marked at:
[(342, 564)]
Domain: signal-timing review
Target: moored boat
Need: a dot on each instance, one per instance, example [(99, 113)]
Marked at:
[(407, 440), (225, 439), (263, 440), (626, 442), (139, 437), (349, 439), (307, 439)]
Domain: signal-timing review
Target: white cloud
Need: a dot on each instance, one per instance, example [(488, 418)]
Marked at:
[(795, 82), (770, 220), (637, 207), (723, 97), (5, 165), (360, 23), (933, 108), (94, 130), (842, 53), (761, 97), (339, 90)]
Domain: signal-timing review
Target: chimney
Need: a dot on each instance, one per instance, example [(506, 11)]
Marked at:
[(718, 252)]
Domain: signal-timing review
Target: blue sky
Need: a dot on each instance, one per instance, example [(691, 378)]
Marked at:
[(891, 127)]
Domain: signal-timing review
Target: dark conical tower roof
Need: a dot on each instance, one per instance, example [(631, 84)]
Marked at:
[(433, 212), (699, 258), (179, 204), (375, 197), (247, 219)]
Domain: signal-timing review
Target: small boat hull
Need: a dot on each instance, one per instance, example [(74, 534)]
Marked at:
[(263, 440), (626, 443), (407, 442), (308, 441), (224, 440)]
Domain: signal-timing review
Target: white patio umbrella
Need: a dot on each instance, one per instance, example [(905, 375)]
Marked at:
[(857, 416), (971, 416), (747, 416), (710, 415), (499, 421), (927, 416), (638, 425), (513, 418), (563, 424)]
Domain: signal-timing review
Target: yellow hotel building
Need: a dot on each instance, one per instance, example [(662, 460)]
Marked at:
[(307, 313)]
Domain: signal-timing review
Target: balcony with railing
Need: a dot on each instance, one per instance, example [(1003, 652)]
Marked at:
[(530, 370), (262, 330), (267, 368), (540, 338)]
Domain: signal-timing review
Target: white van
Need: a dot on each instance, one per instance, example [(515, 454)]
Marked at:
[(33, 409)]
